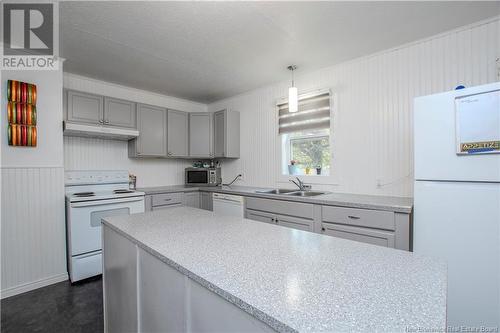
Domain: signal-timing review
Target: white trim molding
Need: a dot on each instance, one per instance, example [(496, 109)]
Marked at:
[(23, 288)]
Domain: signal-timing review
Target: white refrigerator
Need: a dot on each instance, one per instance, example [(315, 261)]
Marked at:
[(457, 197)]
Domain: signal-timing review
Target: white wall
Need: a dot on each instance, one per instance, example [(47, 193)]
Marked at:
[(95, 154), (33, 245), (373, 123)]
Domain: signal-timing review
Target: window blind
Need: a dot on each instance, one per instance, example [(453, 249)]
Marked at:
[(313, 113)]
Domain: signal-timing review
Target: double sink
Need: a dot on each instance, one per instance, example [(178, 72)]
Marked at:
[(280, 191)]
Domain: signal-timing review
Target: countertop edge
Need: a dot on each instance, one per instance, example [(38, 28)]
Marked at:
[(251, 310), (315, 201)]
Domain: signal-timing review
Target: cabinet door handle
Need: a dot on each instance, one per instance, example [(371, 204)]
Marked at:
[(353, 217), (106, 121), (101, 121), (323, 229)]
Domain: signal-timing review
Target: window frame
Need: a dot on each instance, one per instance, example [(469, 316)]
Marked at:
[(334, 176)]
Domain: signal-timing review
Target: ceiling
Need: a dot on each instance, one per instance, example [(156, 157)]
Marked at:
[(205, 51)]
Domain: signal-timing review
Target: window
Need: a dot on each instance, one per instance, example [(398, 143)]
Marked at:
[(305, 136), (310, 151)]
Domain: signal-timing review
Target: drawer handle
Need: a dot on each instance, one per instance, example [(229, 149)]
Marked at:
[(352, 217), (167, 199)]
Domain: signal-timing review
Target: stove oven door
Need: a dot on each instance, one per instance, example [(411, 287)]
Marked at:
[(85, 221)]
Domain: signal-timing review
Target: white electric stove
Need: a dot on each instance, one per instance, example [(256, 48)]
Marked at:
[(91, 196)]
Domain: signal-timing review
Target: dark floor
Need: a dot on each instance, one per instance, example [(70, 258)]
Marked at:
[(61, 307)]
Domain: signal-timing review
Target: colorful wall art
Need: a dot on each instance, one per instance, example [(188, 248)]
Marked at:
[(21, 113)]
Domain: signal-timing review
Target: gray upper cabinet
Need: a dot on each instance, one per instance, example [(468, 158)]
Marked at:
[(177, 133), (152, 126), (120, 113), (84, 108), (227, 134), (200, 135)]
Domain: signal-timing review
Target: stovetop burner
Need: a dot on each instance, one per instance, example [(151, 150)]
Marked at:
[(84, 194), (122, 191)]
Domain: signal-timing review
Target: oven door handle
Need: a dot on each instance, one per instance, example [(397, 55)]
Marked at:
[(106, 202)]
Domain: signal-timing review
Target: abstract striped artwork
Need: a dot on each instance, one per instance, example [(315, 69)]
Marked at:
[(21, 113)]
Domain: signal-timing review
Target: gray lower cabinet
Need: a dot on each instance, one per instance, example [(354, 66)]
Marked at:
[(200, 135), (371, 226), (365, 235), (282, 220), (192, 199), (295, 222), (152, 126), (227, 134), (84, 108), (206, 201), (177, 134), (260, 216), (281, 207), (120, 113), (383, 228), (294, 215)]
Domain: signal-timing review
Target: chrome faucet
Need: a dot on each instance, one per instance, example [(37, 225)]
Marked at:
[(300, 184)]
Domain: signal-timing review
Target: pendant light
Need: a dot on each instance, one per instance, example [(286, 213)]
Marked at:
[(293, 95)]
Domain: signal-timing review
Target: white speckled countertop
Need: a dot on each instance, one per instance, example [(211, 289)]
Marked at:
[(294, 280), (394, 204)]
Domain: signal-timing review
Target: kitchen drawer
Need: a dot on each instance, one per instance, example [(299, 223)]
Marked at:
[(281, 207), (359, 234), (86, 265), (260, 216), (282, 220), (359, 217), (168, 199), (166, 206)]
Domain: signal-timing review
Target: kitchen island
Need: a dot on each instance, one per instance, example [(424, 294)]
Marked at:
[(186, 269)]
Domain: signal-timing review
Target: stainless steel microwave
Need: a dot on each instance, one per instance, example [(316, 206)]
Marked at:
[(203, 176)]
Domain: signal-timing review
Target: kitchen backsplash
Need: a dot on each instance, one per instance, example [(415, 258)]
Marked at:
[(101, 154)]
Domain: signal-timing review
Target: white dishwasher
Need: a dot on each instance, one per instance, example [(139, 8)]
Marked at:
[(228, 204)]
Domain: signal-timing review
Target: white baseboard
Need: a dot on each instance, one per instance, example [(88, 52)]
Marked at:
[(8, 292)]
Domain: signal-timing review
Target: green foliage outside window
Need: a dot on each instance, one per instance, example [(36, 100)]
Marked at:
[(311, 152)]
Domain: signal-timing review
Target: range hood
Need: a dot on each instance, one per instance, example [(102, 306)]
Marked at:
[(96, 131)]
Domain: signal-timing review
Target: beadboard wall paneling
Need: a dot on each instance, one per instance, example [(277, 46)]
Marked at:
[(33, 228), (103, 154), (33, 239), (373, 111)]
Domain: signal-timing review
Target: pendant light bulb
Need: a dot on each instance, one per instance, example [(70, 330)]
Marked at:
[(293, 94), (293, 102)]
